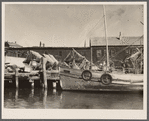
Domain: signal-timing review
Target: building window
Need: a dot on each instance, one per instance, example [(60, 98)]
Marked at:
[(60, 53), (134, 51), (112, 52), (127, 51), (82, 53), (99, 53), (105, 52)]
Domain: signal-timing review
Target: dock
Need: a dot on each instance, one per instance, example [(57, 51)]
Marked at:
[(37, 78)]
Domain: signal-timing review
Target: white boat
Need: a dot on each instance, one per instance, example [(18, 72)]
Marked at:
[(96, 80)]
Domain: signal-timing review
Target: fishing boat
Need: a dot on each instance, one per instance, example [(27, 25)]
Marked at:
[(74, 77), (77, 73)]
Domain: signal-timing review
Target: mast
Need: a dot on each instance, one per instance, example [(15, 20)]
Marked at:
[(105, 26), (91, 54), (141, 54)]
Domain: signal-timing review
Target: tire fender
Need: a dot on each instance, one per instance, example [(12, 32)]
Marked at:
[(108, 77), (83, 75)]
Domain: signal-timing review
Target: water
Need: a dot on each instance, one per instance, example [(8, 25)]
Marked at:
[(52, 99)]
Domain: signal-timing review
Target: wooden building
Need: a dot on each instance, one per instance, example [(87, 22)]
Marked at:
[(119, 49), (59, 53), (12, 45)]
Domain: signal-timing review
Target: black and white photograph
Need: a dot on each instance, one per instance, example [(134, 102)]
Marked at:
[(74, 60)]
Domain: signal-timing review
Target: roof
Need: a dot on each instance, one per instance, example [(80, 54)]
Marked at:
[(115, 41), (48, 48), (12, 45)]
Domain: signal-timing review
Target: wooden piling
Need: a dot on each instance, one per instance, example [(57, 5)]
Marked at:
[(45, 98), (44, 60), (16, 78), (32, 84), (50, 84), (58, 85), (32, 93), (16, 94)]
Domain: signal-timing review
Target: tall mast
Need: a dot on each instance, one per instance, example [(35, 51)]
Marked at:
[(91, 54), (105, 26)]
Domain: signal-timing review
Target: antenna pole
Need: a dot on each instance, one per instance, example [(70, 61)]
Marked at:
[(105, 26)]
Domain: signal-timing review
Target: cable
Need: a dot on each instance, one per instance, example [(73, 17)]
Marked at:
[(92, 29), (126, 47)]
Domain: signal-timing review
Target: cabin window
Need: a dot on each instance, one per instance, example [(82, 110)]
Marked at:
[(60, 53), (99, 53)]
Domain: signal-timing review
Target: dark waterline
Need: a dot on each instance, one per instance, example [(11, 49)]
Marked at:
[(52, 99)]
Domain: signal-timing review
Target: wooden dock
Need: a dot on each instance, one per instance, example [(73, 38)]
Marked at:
[(43, 77)]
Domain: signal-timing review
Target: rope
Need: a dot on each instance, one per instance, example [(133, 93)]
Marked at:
[(126, 47), (93, 28)]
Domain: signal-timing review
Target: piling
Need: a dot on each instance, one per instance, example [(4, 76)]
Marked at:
[(44, 60), (50, 84), (16, 78), (16, 94), (58, 85), (44, 97), (32, 93), (41, 80), (32, 83)]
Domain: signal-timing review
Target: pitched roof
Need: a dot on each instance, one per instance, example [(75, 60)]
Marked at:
[(12, 45), (114, 41)]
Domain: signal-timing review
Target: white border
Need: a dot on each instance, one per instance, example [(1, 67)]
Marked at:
[(74, 113), (79, 3)]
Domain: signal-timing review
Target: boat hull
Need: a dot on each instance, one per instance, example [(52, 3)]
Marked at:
[(71, 81)]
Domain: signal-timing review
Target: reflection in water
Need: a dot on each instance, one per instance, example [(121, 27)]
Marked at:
[(53, 99)]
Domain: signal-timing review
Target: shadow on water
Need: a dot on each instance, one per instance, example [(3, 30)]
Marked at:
[(53, 99)]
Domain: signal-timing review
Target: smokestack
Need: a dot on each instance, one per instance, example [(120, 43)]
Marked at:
[(43, 44), (85, 43), (90, 43), (40, 44), (120, 36)]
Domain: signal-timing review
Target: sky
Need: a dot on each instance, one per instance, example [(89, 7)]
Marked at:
[(69, 25)]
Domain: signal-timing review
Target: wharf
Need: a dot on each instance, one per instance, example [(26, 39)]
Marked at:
[(44, 78)]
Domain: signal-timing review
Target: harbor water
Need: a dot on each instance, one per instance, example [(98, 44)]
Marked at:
[(38, 98)]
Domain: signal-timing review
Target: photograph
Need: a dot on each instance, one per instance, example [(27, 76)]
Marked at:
[(74, 60)]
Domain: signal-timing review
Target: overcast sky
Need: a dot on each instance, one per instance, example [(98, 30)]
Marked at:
[(69, 25)]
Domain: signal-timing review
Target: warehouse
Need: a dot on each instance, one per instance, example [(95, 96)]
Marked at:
[(119, 49)]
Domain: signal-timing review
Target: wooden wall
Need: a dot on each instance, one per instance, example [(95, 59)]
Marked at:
[(60, 53)]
